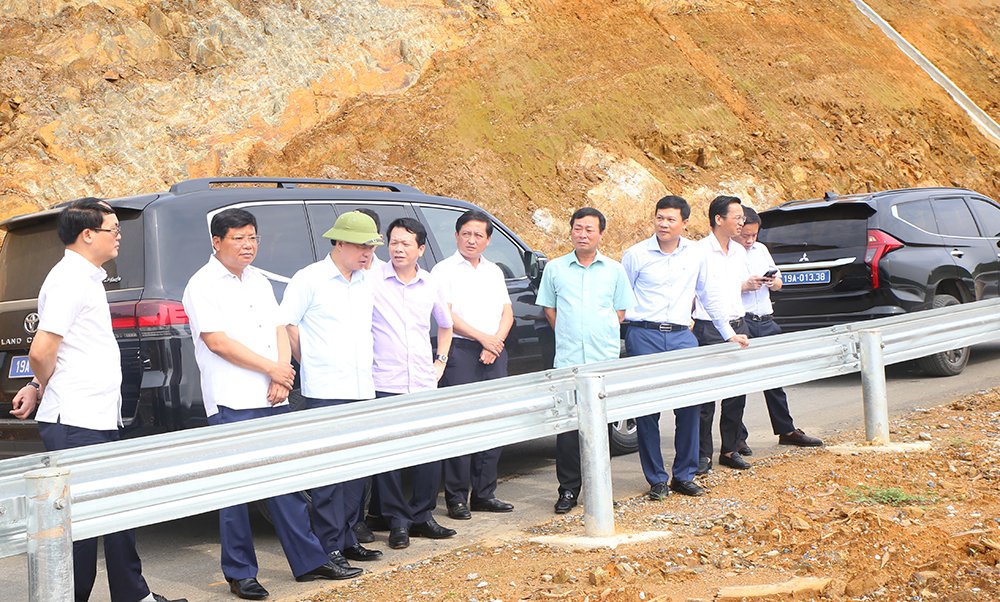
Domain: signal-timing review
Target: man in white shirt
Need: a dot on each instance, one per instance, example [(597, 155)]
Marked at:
[(480, 306), (764, 278), (725, 263), (327, 307), (244, 355), (77, 376)]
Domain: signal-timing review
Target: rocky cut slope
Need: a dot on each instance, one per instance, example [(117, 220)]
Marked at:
[(528, 107)]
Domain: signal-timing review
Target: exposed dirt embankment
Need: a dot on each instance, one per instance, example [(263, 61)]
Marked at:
[(528, 107)]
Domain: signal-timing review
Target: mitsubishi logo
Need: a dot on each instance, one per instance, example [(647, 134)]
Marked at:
[(31, 323), (804, 258)]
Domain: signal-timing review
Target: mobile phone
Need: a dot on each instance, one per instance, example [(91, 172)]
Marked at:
[(770, 273)]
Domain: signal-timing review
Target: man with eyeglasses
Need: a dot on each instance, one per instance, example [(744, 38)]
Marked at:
[(327, 309), (244, 355), (77, 375)]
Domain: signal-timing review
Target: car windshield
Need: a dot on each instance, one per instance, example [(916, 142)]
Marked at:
[(815, 229)]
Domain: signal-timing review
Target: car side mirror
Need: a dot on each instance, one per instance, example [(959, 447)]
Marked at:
[(534, 263)]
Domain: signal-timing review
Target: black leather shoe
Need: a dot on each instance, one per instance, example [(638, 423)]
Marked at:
[(704, 465), (734, 461), (459, 511), (658, 492), (566, 502), (745, 450), (248, 589), (491, 505), (800, 439), (360, 553), (159, 598), (431, 530), (686, 488), (362, 533), (331, 570), (399, 538), (338, 559), (376, 523)]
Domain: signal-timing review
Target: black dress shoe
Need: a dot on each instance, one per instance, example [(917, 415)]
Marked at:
[(704, 465), (566, 502), (491, 505), (399, 538), (159, 598), (360, 553), (362, 533), (800, 439), (331, 570), (686, 488), (745, 450), (248, 589), (734, 461), (431, 530), (376, 523), (459, 511)]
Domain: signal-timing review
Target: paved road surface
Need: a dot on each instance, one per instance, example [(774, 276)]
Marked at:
[(181, 558)]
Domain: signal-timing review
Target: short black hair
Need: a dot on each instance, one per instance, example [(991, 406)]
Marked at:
[(80, 215), (720, 206), (589, 212), (474, 215), (371, 213), (231, 219), (750, 216), (674, 202), (410, 225)]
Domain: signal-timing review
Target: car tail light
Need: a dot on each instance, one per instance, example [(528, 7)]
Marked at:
[(879, 244), (150, 315)]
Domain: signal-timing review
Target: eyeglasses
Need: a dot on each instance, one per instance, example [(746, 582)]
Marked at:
[(254, 240), (114, 231)]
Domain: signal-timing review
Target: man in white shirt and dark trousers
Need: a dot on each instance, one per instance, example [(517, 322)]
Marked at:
[(77, 375), (725, 262), (243, 352), (327, 307), (476, 292), (760, 321)]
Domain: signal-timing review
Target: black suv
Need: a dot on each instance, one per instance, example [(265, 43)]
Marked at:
[(165, 239), (862, 256)]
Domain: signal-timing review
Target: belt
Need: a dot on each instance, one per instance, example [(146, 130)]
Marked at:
[(661, 326), (756, 318), (734, 323)]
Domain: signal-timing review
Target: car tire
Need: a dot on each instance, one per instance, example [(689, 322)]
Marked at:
[(623, 437), (946, 363)]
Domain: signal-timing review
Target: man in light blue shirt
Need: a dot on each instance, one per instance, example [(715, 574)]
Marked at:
[(584, 295)]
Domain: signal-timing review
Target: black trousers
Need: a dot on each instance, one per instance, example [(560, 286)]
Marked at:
[(731, 427), (125, 580), (776, 400), (473, 474)]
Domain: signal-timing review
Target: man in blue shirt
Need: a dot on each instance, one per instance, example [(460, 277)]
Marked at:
[(584, 295)]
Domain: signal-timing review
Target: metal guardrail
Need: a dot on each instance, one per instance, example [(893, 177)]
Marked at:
[(137, 482)]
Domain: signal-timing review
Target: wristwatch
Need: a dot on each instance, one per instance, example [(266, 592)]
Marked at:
[(32, 383), (441, 358)]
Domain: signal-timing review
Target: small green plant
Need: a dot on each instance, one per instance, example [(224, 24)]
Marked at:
[(891, 496), (959, 442)]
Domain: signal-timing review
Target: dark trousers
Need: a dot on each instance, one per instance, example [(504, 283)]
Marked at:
[(568, 470), (125, 581), (388, 491), (731, 427), (642, 341), (777, 401), (337, 507), (289, 513), (474, 473)]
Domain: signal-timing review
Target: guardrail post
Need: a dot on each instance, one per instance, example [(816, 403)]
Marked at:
[(50, 539), (595, 457), (876, 402)]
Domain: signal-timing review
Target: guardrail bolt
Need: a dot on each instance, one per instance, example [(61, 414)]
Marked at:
[(59, 504)]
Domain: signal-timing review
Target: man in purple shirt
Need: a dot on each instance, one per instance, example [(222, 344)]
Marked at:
[(405, 299)]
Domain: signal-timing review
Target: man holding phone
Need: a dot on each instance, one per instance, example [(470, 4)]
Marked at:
[(759, 319)]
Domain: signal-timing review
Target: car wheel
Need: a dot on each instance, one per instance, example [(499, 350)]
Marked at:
[(946, 363), (622, 437)]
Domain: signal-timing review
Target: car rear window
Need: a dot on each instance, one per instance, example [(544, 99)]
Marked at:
[(830, 227), (29, 251)]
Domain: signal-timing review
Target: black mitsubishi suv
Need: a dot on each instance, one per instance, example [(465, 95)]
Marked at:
[(862, 256), (165, 239)]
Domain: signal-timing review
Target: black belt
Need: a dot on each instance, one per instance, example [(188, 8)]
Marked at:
[(756, 318), (734, 323), (661, 326)]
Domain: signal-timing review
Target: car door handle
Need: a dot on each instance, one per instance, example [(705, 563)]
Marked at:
[(957, 253)]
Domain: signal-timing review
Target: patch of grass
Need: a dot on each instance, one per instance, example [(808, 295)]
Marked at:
[(890, 496), (959, 442)]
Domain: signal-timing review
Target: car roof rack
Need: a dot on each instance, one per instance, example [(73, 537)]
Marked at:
[(203, 184)]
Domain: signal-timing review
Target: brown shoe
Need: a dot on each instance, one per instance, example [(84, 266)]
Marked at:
[(800, 439)]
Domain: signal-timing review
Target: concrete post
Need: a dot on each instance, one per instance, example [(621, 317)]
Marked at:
[(595, 457), (50, 540), (876, 402)]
